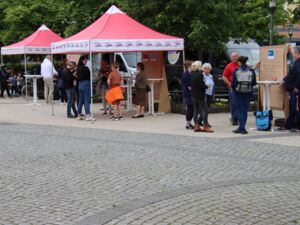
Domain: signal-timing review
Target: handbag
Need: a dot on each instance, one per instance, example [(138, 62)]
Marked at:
[(148, 89)]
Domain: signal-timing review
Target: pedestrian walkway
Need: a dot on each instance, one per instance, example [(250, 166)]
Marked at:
[(21, 112), (64, 176)]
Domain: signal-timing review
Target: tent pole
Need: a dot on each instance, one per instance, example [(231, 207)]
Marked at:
[(91, 83), (52, 107), (183, 55), (2, 63), (25, 73)]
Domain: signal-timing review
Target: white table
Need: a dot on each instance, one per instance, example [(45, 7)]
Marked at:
[(266, 85), (34, 78), (128, 87), (151, 100)]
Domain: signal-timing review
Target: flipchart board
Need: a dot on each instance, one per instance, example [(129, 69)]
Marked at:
[(154, 69), (274, 67)]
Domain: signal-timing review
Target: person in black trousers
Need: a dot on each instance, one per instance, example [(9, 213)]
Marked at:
[(292, 86), (186, 81), (60, 84), (4, 79), (198, 89)]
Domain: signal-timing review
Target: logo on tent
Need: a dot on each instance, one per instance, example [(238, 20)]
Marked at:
[(138, 44), (148, 44), (97, 44)]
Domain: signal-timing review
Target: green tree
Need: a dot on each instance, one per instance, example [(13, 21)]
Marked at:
[(205, 24), (253, 20), (82, 13), (21, 18)]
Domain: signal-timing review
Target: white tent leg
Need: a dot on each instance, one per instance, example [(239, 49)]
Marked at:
[(25, 73), (91, 82), (183, 57), (52, 107)]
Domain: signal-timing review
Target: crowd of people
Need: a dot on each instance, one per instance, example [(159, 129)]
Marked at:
[(198, 89), (11, 82), (74, 85)]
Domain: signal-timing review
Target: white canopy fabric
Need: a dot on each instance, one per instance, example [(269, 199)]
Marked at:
[(117, 32)]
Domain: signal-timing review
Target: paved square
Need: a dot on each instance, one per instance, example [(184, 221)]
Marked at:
[(65, 175)]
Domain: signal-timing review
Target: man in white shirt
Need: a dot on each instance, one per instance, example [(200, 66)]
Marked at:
[(48, 71)]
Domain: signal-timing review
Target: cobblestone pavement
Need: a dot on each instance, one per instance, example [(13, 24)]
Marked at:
[(63, 176)]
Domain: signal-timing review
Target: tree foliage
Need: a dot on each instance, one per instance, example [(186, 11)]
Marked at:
[(254, 19), (205, 24)]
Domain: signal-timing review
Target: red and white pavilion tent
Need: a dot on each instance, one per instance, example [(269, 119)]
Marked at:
[(37, 43), (117, 32)]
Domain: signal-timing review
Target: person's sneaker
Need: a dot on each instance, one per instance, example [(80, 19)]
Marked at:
[(115, 119), (79, 118), (237, 131), (283, 129), (89, 118), (244, 132), (104, 113), (120, 118)]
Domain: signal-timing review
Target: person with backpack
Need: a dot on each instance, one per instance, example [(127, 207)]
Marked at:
[(243, 81)]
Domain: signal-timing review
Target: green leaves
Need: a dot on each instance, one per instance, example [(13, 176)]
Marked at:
[(205, 24)]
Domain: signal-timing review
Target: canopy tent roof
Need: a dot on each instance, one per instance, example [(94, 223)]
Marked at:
[(37, 43), (117, 32)]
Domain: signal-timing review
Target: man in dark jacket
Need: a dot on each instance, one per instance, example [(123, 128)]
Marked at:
[(4, 79), (292, 85)]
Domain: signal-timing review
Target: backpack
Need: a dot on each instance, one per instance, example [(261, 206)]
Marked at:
[(264, 120), (244, 79)]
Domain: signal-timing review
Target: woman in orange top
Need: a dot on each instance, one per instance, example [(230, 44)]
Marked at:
[(115, 94)]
